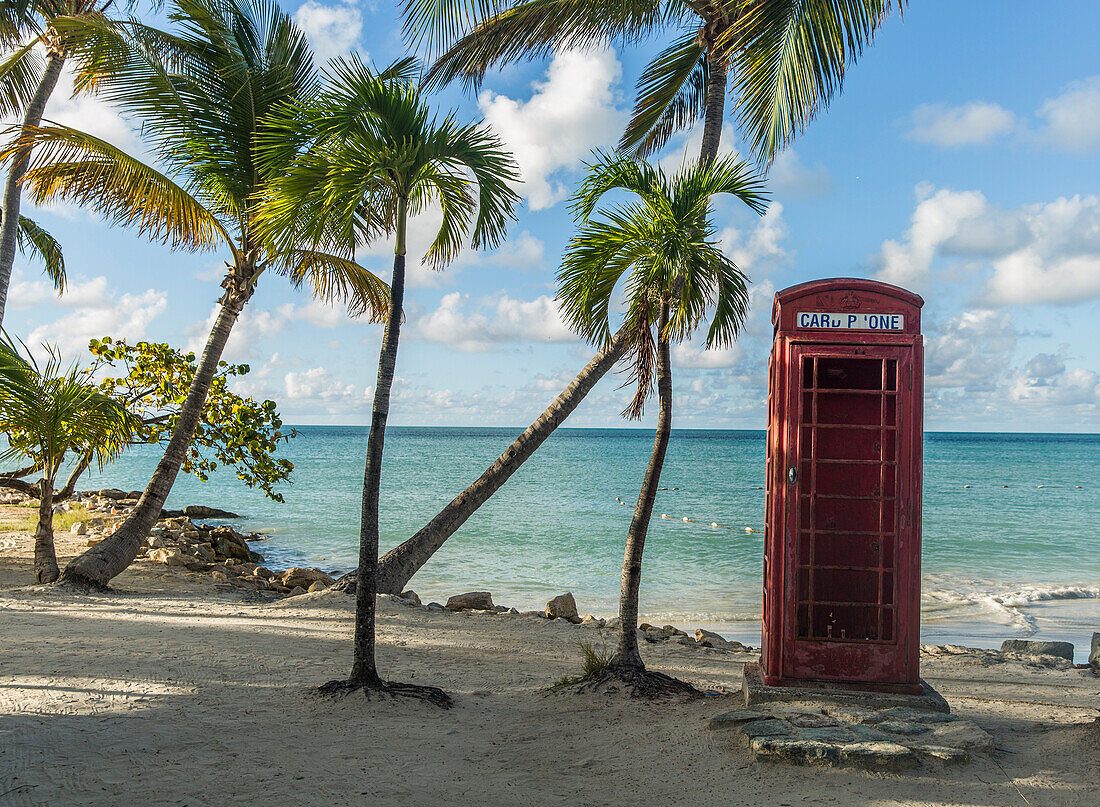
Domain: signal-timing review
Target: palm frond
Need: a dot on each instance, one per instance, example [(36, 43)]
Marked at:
[(20, 74), (32, 238), (74, 166), (790, 60), (335, 279), (672, 92)]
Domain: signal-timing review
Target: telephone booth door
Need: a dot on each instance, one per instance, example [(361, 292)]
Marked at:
[(847, 514)]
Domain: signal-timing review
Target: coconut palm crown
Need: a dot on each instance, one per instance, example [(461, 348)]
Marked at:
[(48, 412), (662, 250), (202, 93), (787, 58)]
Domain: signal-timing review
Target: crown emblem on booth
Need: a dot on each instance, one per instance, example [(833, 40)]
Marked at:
[(850, 301)]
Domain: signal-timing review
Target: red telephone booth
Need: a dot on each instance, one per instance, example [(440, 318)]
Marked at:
[(842, 544)]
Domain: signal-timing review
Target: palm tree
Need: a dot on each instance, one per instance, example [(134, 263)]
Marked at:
[(377, 155), (202, 95), (46, 413), (27, 81), (788, 59), (661, 251)]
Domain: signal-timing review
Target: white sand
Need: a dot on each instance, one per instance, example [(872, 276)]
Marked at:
[(176, 692)]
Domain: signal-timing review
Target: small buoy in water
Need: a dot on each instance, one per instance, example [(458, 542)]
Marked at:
[(748, 529), (1004, 486), (685, 518), (966, 486), (665, 515), (714, 523), (1042, 486), (1077, 486)]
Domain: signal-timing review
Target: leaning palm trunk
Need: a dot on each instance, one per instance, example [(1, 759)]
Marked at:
[(95, 568), (399, 564), (9, 226), (45, 557)]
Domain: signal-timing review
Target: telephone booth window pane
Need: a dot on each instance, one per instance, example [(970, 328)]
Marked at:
[(890, 408), (807, 407), (848, 444), (888, 588), (846, 586), (848, 410), (808, 372), (854, 374), (803, 621), (803, 584), (891, 375), (846, 515)]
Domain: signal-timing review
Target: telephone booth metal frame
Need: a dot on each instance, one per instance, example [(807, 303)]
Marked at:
[(843, 535)]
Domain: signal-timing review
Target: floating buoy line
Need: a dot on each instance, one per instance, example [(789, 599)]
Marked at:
[(714, 524)]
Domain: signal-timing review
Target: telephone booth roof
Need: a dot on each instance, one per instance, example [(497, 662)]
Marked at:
[(847, 293)]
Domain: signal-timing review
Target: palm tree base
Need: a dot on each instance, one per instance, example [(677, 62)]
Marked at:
[(340, 688), (79, 584), (636, 679)]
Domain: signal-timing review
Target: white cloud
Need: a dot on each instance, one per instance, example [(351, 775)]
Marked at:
[(332, 30), (966, 125), (760, 250), (318, 384), (970, 351), (569, 114), (98, 311), (1039, 253), (692, 355), (1072, 119), (503, 321), (789, 177)]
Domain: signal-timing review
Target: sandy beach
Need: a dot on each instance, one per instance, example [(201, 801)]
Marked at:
[(177, 691)]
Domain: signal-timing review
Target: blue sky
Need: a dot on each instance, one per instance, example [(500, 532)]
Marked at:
[(960, 161)]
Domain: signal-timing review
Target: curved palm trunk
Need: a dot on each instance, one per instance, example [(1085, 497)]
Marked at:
[(45, 558), (399, 564), (96, 567), (626, 655), (9, 225), (364, 670)]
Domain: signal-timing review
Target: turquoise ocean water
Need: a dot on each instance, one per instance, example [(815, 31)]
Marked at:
[(1022, 560)]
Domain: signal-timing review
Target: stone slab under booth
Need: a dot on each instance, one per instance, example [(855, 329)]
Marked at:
[(757, 694)]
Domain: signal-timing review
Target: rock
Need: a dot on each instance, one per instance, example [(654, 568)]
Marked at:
[(613, 623), (591, 620), (737, 717), (304, 578), (959, 734), (708, 638), (411, 596), (952, 756), (93, 541), (1026, 647), (200, 511), (435, 606), (263, 572), (471, 601), (169, 557), (78, 528), (562, 607), (316, 585), (903, 727), (113, 493), (1094, 656), (219, 576), (294, 592)]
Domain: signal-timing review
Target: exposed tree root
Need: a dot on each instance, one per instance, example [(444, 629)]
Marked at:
[(641, 683), (433, 695)]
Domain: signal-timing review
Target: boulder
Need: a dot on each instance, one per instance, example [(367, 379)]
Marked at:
[(294, 592), (169, 557), (1094, 656), (708, 638), (200, 511), (79, 528), (219, 576), (264, 572), (562, 607), (316, 585), (471, 601), (1026, 647), (304, 578), (113, 493), (410, 596), (435, 606)]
